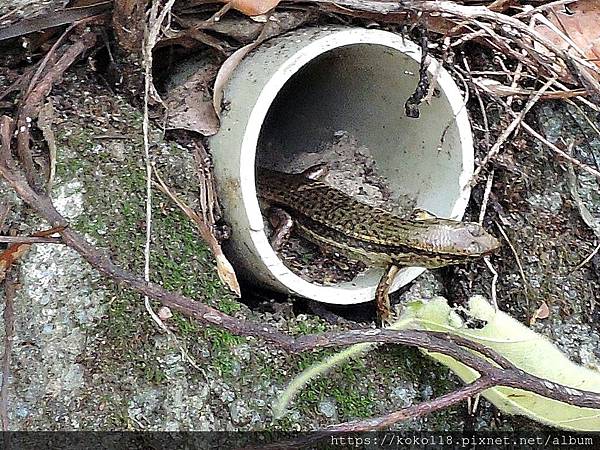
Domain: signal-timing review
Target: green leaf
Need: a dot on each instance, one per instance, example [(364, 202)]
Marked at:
[(525, 348)]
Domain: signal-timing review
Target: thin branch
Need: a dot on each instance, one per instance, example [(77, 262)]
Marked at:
[(415, 411), (517, 259), (30, 240), (494, 272), (486, 196), (514, 378), (9, 333), (558, 151), (494, 370), (510, 129), (587, 259), (561, 153), (151, 34), (381, 422), (31, 105), (206, 314)]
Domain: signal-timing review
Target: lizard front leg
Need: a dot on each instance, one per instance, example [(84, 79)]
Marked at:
[(282, 224), (382, 298)]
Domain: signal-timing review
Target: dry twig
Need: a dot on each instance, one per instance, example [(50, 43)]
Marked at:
[(151, 36), (224, 268), (517, 259), (9, 333), (510, 129), (29, 240)]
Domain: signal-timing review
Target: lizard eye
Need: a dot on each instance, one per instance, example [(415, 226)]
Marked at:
[(475, 230), (475, 247)]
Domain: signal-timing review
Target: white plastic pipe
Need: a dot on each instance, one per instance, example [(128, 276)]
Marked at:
[(293, 92)]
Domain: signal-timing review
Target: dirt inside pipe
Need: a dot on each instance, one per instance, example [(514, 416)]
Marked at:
[(352, 169)]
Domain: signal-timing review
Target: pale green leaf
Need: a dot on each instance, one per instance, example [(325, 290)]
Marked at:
[(525, 348)]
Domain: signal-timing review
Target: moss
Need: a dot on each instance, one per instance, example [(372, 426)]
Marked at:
[(114, 218), (312, 325), (154, 374), (221, 339), (185, 326), (348, 384), (228, 305), (221, 344)]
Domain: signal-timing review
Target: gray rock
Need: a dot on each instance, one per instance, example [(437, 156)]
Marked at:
[(328, 407), (240, 414), (403, 395)]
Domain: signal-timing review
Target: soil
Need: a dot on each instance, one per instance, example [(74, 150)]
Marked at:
[(353, 170)]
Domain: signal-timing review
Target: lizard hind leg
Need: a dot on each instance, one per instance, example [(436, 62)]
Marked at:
[(382, 298), (282, 224)]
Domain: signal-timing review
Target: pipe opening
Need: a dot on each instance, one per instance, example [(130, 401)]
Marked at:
[(298, 96), (346, 107)]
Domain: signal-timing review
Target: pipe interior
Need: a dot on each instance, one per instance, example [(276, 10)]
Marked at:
[(362, 89)]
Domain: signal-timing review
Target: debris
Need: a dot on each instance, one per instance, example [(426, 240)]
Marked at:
[(574, 27), (189, 104), (12, 254), (271, 28), (543, 312), (45, 123), (224, 267), (164, 313)]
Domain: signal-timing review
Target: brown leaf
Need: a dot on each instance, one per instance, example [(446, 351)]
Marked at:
[(252, 7), (579, 22), (543, 312), (227, 273), (226, 70), (224, 268), (272, 28), (16, 251), (502, 5), (9, 256)]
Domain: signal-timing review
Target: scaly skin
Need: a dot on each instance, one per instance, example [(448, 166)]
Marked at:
[(327, 216)]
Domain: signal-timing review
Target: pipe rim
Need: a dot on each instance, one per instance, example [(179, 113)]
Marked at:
[(337, 294)]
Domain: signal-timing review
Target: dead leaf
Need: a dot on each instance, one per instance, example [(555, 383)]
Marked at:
[(502, 5), (224, 268), (9, 256), (16, 251), (227, 274), (543, 312), (252, 7), (579, 23), (275, 27), (189, 104), (226, 71), (45, 124)]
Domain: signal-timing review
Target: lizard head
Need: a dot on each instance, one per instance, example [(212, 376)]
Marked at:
[(471, 240), (479, 241), (450, 242)]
